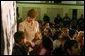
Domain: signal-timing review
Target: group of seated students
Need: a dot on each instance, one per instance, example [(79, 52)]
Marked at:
[(63, 40)]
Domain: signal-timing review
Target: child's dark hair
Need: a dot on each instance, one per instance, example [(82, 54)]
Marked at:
[(65, 38), (71, 33), (56, 35), (18, 36), (68, 44), (47, 42)]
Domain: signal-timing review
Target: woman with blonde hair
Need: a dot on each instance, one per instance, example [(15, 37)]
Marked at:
[(30, 27)]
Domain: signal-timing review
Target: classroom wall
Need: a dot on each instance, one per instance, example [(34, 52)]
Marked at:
[(50, 9), (80, 11)]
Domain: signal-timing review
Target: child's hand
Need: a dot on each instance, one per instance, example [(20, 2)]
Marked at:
[(38, 35), (32, 44)]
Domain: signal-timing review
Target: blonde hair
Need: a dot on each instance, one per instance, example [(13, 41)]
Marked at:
[(32, 13)]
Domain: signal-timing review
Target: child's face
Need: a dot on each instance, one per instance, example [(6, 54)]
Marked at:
[(47, 32), (47, 25), (22, 39), (65, 31)]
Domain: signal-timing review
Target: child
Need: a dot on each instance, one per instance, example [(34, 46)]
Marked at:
[(19, 46)]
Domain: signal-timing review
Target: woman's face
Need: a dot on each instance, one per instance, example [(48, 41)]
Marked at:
[(29, 19), (75, 50)]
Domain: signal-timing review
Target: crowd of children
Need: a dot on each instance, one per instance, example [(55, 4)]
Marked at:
[(61, 38)]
